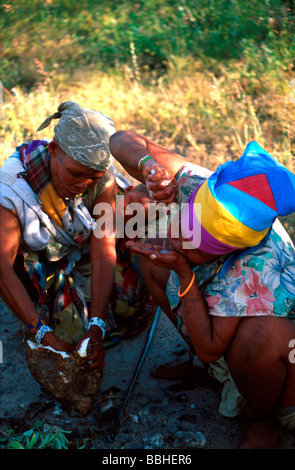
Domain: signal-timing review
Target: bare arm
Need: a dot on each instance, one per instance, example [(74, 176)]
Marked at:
[(128, 148), (103, 256), (210, 335), (12, 290), (157, 172), (103, 261)]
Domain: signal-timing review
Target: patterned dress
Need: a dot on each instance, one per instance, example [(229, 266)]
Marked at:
[(260, 283), (55, 264)]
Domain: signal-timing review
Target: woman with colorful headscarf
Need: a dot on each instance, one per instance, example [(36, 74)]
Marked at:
[(227, 281)]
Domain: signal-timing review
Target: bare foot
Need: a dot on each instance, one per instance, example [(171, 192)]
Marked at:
[(179, 371), (260, 435)]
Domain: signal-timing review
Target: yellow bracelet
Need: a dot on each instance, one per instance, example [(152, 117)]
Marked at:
[(188, 287)]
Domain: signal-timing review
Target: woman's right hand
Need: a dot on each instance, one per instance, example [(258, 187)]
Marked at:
[(50, 339), (159, 182), (169, 259)]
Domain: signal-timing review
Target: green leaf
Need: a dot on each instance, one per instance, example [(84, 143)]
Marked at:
[(46, 441), (33, 440), (38, 424), (15, 445)]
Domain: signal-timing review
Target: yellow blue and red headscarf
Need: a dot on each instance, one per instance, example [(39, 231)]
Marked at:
[(239, 203)]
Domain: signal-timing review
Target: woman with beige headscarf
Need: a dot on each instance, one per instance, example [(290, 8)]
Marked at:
[(48, 194)]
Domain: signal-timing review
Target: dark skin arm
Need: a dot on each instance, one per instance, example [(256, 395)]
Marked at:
[(128, 148), (210, 335), (12, 290), (103, 261)]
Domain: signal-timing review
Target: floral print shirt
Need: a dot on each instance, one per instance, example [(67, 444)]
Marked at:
[(260, 283)]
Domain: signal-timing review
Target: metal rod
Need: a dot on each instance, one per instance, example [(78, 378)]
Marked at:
[(114, 430)]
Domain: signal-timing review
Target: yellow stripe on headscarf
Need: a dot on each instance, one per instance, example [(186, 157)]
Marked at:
[(220, 223)]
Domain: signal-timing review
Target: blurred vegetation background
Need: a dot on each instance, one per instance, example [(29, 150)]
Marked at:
[(202, 77)]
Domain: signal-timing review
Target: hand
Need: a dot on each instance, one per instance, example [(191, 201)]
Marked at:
[(95, 360), (161, 185), (50, 339), (172, 260)]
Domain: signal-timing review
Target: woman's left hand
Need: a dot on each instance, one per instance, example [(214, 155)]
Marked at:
[(95, 360), (160, 257)]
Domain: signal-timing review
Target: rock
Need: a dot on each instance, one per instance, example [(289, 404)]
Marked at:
[(61, 375), (189, 440), (107, 409), (155, 442), (134, 418)]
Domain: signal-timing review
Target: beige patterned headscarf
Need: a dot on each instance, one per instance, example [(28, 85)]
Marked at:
[(83, 134)]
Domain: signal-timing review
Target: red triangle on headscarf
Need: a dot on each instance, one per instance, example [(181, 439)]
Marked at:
[(258, 187)]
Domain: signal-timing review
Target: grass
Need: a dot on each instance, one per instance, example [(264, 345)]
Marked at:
[(207, 117), (44, 36), (203, 78), (38, 437)]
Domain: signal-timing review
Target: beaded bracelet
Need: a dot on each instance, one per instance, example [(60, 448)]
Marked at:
[(100, 323), (35, 325), (142, 161), (42, 332), (188, 287)]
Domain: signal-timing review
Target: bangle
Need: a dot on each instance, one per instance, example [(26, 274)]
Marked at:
[(188, 287), (35, 325), (142, 161), (100, 323), (42, 332)]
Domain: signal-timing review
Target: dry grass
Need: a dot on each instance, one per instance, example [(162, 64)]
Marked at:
[(207, 117)]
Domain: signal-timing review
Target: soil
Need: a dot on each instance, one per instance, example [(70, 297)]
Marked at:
[(157, 411)]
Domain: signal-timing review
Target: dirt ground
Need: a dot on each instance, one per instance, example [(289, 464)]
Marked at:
[(158, 410)]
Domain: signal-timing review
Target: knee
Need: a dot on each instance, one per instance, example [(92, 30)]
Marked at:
[(253, 339)]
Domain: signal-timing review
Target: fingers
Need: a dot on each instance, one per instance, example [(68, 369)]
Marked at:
[(156, 172), (143, 248), (95, 360), (50, 339), (159, 256), (164, 258), (163, 196), (162, 187), (96, 354)]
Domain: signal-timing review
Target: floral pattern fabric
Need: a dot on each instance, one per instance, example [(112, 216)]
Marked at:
[(260, 283)]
